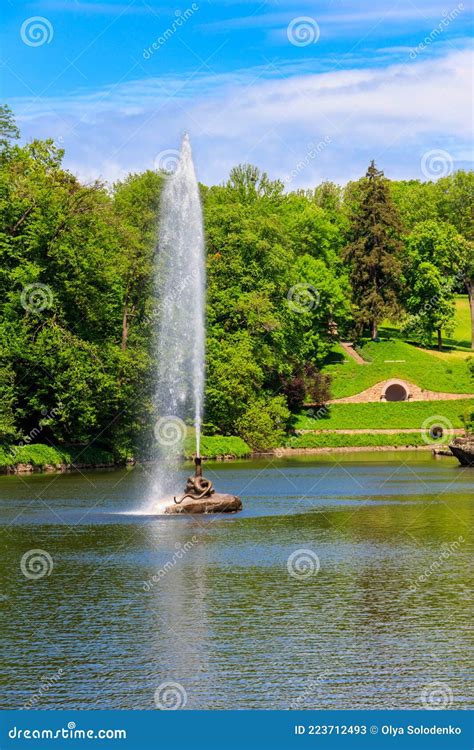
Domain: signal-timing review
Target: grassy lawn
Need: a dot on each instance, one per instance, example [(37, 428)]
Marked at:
[(448, 373), (462, 329), (404, 415), (459, 339), (217, 445), (350, 441)]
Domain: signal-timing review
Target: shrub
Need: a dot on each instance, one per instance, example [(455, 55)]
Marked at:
[(470, 366), (318, 386), (263, 425), (294, 389), (37, 454), (41, 455)]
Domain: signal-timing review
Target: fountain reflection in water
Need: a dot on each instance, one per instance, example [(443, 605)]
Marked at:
[(180, 289)]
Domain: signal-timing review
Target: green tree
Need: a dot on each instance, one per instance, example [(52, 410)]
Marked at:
[(373, 251), (415, 201), (8, 128), (434, 267), (429, 303), (248, 257), (329, 196), (136, 206), (276, 287), (60, 300), (233, 377), (264, 422), (455, 201), (312, 229)]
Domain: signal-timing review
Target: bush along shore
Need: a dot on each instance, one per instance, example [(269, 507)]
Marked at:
[(37, 457), (23, 459)]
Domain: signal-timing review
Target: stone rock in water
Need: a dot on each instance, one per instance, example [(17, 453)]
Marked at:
[(463, 449), (215, 503)]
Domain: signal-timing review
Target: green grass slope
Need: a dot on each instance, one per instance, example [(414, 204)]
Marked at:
[(356, 441), (397, 359), (389, 416)]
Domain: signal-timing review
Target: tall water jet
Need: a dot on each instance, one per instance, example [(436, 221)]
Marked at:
[(180, 290), (179, 287)]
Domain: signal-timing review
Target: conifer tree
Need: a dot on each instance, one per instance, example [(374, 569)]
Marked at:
[(374, 250), (8, 127)]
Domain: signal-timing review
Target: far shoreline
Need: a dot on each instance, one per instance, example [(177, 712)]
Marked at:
[(284, 452), (276, 453)]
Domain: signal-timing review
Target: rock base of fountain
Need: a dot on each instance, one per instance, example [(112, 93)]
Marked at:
[(200, 497), (215, 503)]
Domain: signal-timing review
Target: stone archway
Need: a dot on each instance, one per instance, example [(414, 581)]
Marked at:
[(406, 391), (395, 390)]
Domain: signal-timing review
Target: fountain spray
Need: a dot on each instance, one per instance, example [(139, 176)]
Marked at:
[(180, 289)]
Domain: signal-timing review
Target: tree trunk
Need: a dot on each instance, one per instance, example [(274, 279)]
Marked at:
[(440, 339), (470, 294), (374, 330), (125, 327)]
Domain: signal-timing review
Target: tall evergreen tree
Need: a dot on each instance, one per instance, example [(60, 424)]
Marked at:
[(374, 249), (8, 128)]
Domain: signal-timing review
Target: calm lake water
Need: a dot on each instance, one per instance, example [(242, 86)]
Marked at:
[(227, 617)]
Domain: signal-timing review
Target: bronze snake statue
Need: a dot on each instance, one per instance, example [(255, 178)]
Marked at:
[(197, 486)]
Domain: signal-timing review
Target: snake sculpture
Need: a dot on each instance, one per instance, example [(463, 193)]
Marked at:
[(196, 488)]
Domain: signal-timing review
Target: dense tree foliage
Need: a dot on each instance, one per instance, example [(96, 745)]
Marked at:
[(288, 273), (435, 259), (455, 203), (373, 253), (275, 287)]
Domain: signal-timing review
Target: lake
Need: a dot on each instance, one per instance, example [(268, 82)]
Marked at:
[(343, 584)]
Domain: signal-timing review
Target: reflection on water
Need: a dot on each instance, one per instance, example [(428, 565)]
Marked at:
[(208, 602)]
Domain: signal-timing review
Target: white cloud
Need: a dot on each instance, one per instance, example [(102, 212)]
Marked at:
[(393, 114), (344, 20)]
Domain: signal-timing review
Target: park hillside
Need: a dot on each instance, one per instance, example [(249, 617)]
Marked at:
[(292, 276)]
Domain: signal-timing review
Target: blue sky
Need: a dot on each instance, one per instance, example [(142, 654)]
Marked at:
[(306, 90)]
